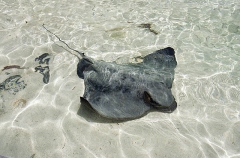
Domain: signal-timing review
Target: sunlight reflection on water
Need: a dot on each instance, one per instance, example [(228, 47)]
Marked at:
[(42, 119)]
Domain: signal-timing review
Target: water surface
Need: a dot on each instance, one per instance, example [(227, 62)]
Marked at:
[(44, 119)]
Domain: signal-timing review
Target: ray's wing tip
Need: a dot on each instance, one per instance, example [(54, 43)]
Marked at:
[(167, 51)]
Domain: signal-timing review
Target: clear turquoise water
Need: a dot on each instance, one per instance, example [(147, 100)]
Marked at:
[(42, 119)]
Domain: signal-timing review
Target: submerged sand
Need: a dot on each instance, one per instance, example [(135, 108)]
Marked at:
[(48, 120)]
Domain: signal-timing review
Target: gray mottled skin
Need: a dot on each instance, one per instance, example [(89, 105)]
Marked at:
[(129, 91)]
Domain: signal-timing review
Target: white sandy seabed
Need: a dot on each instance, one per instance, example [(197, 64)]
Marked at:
[(45, 120)]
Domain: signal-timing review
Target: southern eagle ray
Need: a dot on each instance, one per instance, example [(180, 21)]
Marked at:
[(128, 91)]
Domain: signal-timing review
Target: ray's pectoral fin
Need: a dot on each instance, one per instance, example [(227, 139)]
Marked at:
[(162, 59)]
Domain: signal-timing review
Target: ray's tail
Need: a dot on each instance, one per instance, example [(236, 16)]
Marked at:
[(78, 54)]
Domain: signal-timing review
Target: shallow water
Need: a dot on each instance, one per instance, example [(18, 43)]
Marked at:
[(44, 120)]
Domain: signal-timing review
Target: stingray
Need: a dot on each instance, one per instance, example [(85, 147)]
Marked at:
[(128, 91)]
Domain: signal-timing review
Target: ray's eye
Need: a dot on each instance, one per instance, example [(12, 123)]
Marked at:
[(147, 97)]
